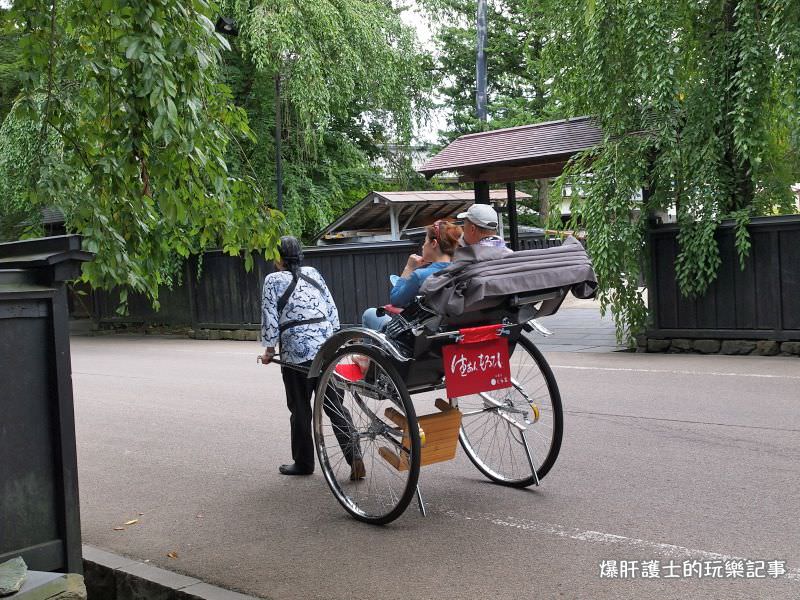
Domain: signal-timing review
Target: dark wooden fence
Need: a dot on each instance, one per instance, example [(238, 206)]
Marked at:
[(760, 302), (226, 296), (537, 242)]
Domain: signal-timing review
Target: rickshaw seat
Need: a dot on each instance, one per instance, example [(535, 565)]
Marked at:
[(391, 309), (480, 278)]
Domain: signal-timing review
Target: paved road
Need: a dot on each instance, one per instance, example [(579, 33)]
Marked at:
[(578, 327), (666, 457)]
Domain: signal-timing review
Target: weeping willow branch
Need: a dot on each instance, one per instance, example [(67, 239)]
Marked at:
[(715, 88)]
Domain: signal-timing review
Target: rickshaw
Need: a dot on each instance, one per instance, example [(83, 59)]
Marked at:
[(488, 385)]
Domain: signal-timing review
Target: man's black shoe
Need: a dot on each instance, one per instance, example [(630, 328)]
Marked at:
[(293, 469)]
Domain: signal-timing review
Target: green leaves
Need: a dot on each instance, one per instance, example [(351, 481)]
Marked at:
[(698, 261), (134, 50), (352, 82), (742, 236), (142, 126), (698, 103), (516, 86), (333, 55)]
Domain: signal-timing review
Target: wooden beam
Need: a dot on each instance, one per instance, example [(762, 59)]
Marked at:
[(395, 417), (508, 174), (482, 192), (414, 212), (394, 222), (513, 229), (398, 461)]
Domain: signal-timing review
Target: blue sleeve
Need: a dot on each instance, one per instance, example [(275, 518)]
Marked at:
[(405, 290)]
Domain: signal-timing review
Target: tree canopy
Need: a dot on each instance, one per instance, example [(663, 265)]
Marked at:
[(352, 83), (515, 86), (135, 120), (154, 133), (131, 91), (698, 102), (16, 143), (10, 63)]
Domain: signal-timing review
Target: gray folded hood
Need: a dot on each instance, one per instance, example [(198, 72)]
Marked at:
[(482, 277)]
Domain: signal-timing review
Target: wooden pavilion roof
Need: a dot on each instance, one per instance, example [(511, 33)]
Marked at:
[(516, 153), (412, 208)]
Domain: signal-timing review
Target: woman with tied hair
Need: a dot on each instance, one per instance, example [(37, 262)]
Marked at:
[(441, 242), (298, 313)]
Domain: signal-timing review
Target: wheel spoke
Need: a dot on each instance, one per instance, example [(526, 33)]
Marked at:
[(350, 421), (499, 432)]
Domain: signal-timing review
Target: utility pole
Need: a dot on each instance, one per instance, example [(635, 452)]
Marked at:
[(480, 62), (278, 163), (481, 187)]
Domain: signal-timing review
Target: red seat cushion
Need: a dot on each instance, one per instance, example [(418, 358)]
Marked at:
[(391, 309), (350, 372)]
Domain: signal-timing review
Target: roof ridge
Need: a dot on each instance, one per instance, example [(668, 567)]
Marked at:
[(423, 193), (530, 126)]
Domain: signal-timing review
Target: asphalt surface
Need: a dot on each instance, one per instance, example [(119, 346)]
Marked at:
[(578, 326), (665, 457)]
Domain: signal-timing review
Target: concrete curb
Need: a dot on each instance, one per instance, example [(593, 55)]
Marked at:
[(112, 577)]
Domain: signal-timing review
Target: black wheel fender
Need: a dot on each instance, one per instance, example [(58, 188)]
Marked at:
[(341, 337)]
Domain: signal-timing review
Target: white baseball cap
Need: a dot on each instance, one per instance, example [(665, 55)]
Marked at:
[(482, 215)]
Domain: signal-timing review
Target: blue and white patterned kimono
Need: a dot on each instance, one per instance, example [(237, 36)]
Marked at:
[(300, 343)]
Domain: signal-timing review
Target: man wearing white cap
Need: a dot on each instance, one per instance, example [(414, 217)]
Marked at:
[(480, 227)]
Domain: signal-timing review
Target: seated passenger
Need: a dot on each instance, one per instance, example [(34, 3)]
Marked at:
[(441, 241), (480, 227)]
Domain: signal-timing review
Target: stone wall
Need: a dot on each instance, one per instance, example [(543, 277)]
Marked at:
[(716, 346), (242, 335)]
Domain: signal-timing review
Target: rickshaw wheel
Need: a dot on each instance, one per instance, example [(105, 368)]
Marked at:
[(362, 406), (500, 430)]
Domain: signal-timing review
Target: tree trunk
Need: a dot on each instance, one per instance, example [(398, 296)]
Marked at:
[(543, 186)]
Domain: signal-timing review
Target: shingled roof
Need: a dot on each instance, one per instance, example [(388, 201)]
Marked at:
[(412, 208), (516, 153)]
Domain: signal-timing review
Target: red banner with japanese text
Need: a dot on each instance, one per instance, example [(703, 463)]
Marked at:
[(478, 367)]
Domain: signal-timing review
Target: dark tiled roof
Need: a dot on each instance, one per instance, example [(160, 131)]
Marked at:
[(528, 144)]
